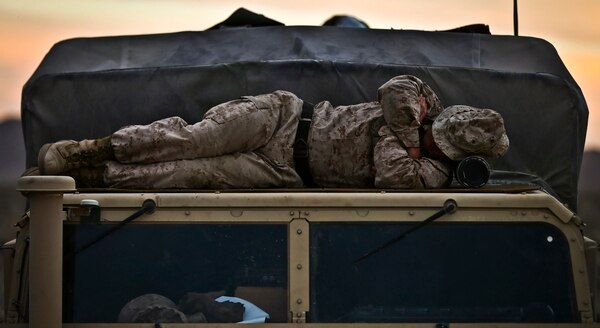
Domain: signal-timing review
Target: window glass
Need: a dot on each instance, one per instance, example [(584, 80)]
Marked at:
[(247, 261), (443, 272)]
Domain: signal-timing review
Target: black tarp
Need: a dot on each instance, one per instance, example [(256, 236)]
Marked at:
[(89, 87)]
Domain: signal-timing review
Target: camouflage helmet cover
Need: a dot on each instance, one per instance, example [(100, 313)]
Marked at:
[(460, 131)]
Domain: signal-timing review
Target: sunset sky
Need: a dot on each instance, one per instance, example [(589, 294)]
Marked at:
[(29, 28)]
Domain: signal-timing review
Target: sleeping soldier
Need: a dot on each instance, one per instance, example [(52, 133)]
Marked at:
[(403, 140)]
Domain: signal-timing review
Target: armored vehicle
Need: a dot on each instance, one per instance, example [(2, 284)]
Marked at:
[(511, 253)]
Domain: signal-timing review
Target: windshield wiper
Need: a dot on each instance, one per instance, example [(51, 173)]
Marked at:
[(147, 207), (448, 208)]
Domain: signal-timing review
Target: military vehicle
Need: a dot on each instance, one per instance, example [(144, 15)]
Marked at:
[(511, 253)]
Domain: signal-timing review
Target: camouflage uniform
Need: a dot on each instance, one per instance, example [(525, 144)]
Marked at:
[(365, 144), (399, 98), (247, 143), (244, 143)]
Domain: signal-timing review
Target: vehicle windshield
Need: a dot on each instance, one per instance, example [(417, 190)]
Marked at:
[(459, 272), (171, 260), (443, 272)]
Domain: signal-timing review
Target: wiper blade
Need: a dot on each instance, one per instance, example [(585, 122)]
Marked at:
[(449, 207), (147, 207)]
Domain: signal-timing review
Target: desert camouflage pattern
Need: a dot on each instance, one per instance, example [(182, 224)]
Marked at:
[(247, 143), (351, 146), (340, 144), (461, 131), (244, 143), (395, 169), (399, 98)]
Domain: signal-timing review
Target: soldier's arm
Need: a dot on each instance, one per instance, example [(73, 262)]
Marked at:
[(399, 99), (407, 102), (394, 168), (415, 152)]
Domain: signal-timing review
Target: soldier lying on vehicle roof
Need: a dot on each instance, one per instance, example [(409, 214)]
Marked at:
[(404, 140)]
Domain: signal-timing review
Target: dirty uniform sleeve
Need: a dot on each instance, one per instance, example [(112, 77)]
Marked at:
[(395, 169), (399, 98)]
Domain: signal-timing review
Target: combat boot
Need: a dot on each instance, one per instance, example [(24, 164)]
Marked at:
[(88, 177), (62, 156), (31, 171)]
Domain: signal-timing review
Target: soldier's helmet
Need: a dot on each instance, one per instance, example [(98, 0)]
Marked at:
[(461, 131)]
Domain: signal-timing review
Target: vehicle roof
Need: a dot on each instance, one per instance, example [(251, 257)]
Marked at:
[(89, 87), (518, 197)]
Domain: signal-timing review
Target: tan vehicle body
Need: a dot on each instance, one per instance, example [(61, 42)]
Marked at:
[(55, 200)]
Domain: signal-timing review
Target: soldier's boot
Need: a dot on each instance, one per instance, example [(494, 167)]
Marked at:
[(31, 171), (88, 177), (65, 155)]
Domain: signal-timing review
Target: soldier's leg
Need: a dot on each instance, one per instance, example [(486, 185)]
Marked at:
[(279, 149), (240, 170), (240, 125)]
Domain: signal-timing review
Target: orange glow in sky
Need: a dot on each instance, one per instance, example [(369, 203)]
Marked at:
[(29, 28)]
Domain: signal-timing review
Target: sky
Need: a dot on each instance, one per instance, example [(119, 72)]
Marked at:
[(29, 28)]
